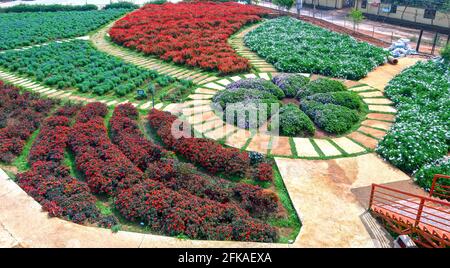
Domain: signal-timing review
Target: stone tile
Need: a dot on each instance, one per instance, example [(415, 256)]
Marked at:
[(220, 132), (385, 117), (206, 126), (327, 148), (208, 79), (196, 109), (371, 94), (362, 88), (235, 78), (239, 138), (367, 141), (280, 146), (201, 117), (377, 124), (348, 145), (264, 76), (205, 91), (250, 76), (196, 102), (305, 148), (199, 96), (173, 108), (224, 82), (259, 143), (373, 132), (146, 105), (214, 86), (382, 108), (378, 101), (159, 105)]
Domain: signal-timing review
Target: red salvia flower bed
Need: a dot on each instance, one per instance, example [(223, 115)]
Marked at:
[(193, 34)]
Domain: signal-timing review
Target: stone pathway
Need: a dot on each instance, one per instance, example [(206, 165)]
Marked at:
[(198, 112), (237, 42), (29, 84), (322, 193), (380, 77), (197, 76)]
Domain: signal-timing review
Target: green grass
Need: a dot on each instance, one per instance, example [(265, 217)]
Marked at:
[(292, 221), (21, 162)]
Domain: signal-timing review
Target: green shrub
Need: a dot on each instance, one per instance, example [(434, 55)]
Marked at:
[(424, 176), (321, 85), (445, 53), (290, 83), (332, 118), (294, 122), (225, 97), (347, 99), (258, 84), (249, 114), (121, 5), (422, 130), (46, 8)]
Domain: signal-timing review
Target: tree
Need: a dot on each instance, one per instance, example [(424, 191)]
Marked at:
[(356, 16), (284, 4), (445, 8)]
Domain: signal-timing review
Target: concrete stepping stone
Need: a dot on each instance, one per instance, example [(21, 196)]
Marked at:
[(365, 140), (268, 69), (220, 132), (214, 86), (195, 103), (280, 146), (327, 148), (349, 146), (362, 88), (264, 76), (200, 78), (199, 96), (50, 92), (250, 76), (305, 148), (196, 110), (202, 117), (378, 101), (236, 78), (372, 94), (385, 117), (224, 82), (205, 91), (373, 132), (382, 108), (259, 143), (56, 94), (206, 126), (146, 105), (159, 106), (111, 103), (377, 124), (239, 138), (173, 108), (207, 80)]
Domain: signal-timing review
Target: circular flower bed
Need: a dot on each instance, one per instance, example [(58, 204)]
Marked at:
[(291, 103)]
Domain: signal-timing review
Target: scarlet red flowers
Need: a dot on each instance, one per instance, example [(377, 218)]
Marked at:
[(194, 34)]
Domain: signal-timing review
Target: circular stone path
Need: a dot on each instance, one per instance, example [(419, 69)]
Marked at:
[(199, 113)]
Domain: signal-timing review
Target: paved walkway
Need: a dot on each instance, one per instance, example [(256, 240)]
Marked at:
[(197, 76), (237, 42), (380, 77), (322, 193), (198, 112)]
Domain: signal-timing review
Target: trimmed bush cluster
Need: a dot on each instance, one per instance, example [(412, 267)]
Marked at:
[(77, 64), (25, 29), (421, 133), (294, 46), (250, 103), (121, 5), (49, 181), (291, 84), (329, 117), (294, 122), (20, 115), (424, 176), (193, 34)]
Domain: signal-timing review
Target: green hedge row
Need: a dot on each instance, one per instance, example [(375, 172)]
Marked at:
[(46, 8)]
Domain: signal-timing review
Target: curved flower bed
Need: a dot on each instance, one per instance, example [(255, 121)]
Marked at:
[(250, 103), (421, 134), (24, 29), (298, 47), (20, 115), (193, 34)]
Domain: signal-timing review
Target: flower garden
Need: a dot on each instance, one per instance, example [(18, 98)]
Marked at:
[(115, 140)]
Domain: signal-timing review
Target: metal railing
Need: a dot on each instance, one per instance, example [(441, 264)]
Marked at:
[(439, 188)]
